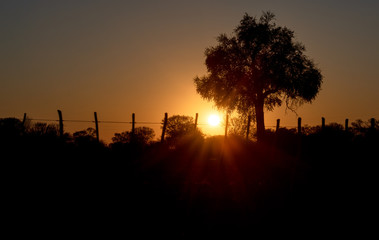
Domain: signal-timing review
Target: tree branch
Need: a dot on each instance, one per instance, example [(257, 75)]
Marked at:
[(268, 92)]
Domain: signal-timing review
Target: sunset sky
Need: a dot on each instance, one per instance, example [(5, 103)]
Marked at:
[(124, 57)]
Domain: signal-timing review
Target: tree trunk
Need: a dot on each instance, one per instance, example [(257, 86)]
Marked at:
[(260, 120)]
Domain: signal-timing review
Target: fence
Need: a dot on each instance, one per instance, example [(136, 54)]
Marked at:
[(61, 121), (133, 123)]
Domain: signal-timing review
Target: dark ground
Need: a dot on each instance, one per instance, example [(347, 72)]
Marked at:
[(323, 184)]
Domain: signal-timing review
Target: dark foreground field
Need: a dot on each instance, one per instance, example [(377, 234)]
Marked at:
[(323, 184)]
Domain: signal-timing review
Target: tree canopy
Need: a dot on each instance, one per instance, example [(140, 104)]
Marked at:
[(259, 66)]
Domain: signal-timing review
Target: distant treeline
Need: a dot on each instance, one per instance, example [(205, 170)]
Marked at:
[(13, 130)]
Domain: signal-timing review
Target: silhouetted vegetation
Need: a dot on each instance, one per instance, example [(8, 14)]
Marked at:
[(181, 128), (133, 142), (141, 136), (238, 125), (260, 66), (321, 181)]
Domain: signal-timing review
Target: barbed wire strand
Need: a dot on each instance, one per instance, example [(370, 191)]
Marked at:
[(123, 122)]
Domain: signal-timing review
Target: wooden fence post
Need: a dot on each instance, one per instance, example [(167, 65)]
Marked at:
[(277, 124), (248, 127), (133, 123), (97, 127), (322, 123), (23, 123), (164, 127), (226, 125), (299, 125), (197, 115), (346, 124), (24, 119), (60, 123)]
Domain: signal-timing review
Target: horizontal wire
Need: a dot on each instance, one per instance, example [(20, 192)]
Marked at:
[(45, 120), (90, 121), (125, 122), (114, 122)]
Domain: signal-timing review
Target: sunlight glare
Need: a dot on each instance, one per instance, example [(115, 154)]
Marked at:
[(214, 120)]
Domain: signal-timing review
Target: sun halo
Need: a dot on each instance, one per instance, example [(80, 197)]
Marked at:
[(214, 120)]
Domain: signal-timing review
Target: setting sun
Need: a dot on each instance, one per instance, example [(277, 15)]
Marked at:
[(214, 120)]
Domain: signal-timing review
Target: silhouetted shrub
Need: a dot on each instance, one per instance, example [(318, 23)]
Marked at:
[(238, 126), (141, 136), (308, 130), (360, 127), (43, 130), (10, 128), (181, 128), (87, 139)]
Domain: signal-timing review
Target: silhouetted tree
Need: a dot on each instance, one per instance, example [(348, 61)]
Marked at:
[(179, 126), (142, 136), (259, 66)]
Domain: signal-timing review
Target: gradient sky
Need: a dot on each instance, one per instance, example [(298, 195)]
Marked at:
[(120, 57)]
